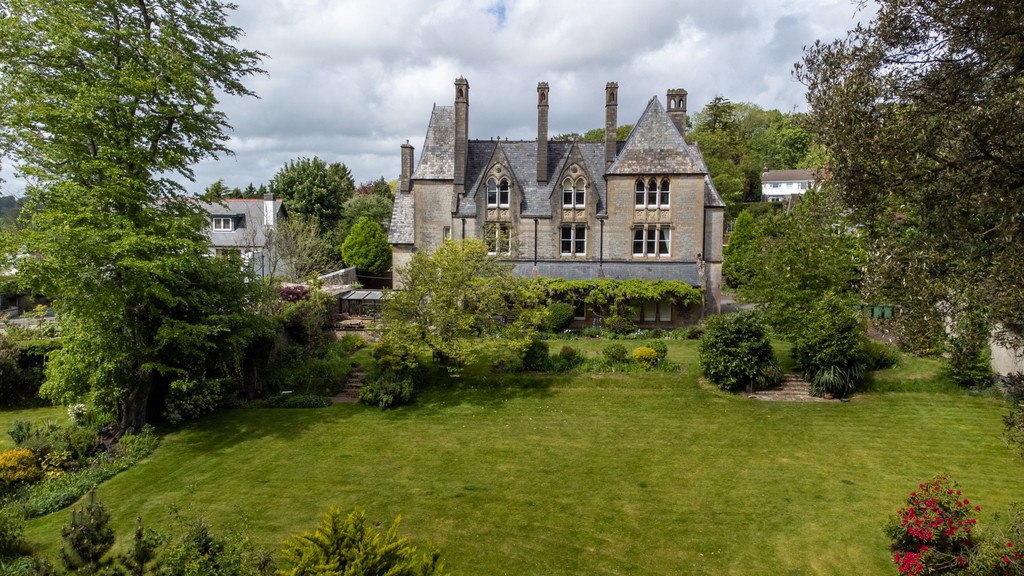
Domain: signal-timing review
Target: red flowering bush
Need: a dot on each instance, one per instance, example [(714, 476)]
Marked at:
[(934, 532)]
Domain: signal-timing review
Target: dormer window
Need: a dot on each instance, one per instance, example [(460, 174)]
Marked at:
[(497, 193), (574, 194), (223, 224)]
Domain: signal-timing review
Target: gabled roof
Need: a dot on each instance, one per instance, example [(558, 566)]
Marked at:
[(248, 213), (521, 158), (437, 161), (655, 145), (788, 176)]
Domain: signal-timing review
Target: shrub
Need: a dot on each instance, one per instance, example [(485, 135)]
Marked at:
[(535, 357), (933, 533), (827, 347), (619, 324), (568, 354), (615, 353), (19, 466), (351, 343), (386, 390), (87, 537), (347, 544), (12, 531), (592, 332), (188, 399), (645, 357), (735, 352), (876, 355), (299, 401), (660, 348), (560, 315)]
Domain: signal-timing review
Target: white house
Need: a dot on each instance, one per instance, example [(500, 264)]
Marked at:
[(781, 185), (245, 226)]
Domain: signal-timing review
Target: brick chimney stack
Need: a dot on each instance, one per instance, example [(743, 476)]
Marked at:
[(611, 108), (542, 132)]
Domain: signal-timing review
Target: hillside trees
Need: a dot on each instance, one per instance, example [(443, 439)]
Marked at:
[(104, 102), (919, 113)]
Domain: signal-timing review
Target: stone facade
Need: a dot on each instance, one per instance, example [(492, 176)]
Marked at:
[(643, 208)]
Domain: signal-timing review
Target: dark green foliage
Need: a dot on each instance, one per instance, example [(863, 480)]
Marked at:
[(615, 354), (299, 401), (314, 188), (347, 544), (735, 352), (305, 320), (366, 247), (376, 207), (46, 437), (827, 347), (878, 355), (919, 113), (387, 390), (12, 532), (319, 371), (145, 545), (970, 355), (743, 251), (535, 357), (87, 537), (195, 549), (1013, 385), (560, 315), (188, 399)]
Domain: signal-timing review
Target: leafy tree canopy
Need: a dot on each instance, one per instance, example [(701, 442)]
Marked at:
[(459, 303), (312, 187), (594, 135), (918, 112), (366, 247), (103, 103)]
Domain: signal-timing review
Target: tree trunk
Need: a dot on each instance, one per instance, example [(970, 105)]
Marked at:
[(133, 408)]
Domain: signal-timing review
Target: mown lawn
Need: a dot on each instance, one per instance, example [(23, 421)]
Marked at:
[(588, 474)]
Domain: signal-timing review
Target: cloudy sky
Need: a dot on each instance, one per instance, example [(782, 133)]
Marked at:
[(351, 80)]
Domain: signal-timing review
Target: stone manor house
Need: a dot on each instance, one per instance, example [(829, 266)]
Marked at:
[(644, 208)]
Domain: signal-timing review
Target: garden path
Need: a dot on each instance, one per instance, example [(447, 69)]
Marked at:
[(792, 389)]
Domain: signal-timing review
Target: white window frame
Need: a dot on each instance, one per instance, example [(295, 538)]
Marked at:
[(652, 242), (652, 193), (574, 194), (498, 236), (222, 224), (577, 240)]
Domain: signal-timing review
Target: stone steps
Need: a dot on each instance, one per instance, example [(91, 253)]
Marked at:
[(349, 393), (792, 389)]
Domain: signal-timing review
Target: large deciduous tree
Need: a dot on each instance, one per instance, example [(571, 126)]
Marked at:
[(460, 304), (104, 103), (920, 114), (313, 187)]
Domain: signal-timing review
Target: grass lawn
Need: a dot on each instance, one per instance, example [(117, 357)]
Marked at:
[(589, 474)]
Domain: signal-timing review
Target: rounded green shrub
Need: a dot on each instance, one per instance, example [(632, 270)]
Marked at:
[(386, 390), (615, 353), (535, 357), (660, 348), (560, 315), (735, 352)]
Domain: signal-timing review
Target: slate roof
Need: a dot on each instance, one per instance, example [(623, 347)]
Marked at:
[(403, 218), (521, 157), (437, 161), (655, 145), (249, 230)]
